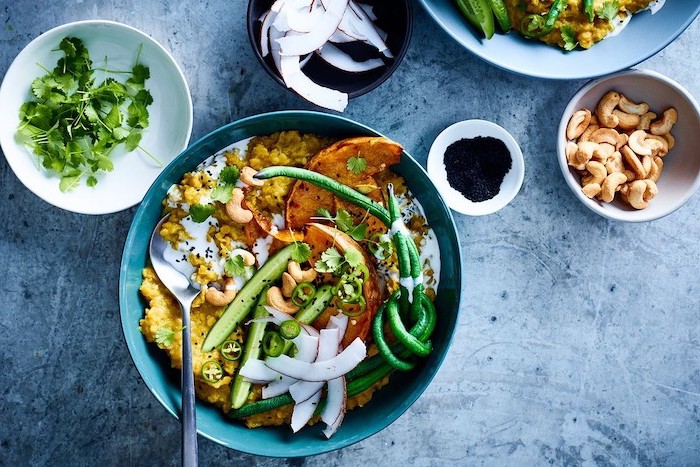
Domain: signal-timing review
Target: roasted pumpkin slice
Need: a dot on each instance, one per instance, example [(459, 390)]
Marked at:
[(321, 237), (370, 155)]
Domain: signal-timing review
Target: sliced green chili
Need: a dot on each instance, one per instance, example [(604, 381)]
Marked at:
[(231, 350), (212, 372), (273, 344), (303, 294), (290, 329)]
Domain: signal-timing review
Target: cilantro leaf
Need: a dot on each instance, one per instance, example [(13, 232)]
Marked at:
[(165, 336), (133, 140), (140, 73), (200, 213), (69, 182), (343, 220), (301, 252), (357, 164), (235, 266), (568, 34), (229, 174), (353, 257), (91, 181), (358, 232), (222, 193), (330, 261), (610, 10), (325, 213)]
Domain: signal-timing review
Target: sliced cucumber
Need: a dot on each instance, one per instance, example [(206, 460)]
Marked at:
[(244, 302), (501, 13), (241, 388), (479, 14), (319, 303)]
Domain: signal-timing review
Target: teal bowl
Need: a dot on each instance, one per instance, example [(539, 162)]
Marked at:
[(390, 402)]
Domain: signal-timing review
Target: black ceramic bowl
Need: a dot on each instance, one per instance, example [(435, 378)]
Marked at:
[(394, 17)]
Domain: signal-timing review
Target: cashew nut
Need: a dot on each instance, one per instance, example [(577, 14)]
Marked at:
[(571, 149), (246, 177), (300, 275), (614, 163), (655, 170), (610, 186), (641, 192), (288, 284), (598, 173), (646, 163), (605, 108), (633, 162), (235, 210), (248, 257), (631, 108), (637, 143), (603, 152), (223, 297), (276, 300), (624, 192), (629, 174), (578, 123), (645, 121), (659, 145), (627, 121), (605, 135), (586, 135), (622, 139), (671, 140), (665, 123), (591, 190)]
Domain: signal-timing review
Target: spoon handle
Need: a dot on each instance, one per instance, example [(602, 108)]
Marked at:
[(189, 421)]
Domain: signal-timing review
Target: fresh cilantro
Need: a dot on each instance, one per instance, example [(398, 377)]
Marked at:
[(535, 23), (222, 193), (73, 124), (610, 10), (200, 213), (235, 266), (568, 34), (357, 164), (301, 252), (381, 246), (330, 261), (344, 221), (165, 336), (353, 257), (229, 175)]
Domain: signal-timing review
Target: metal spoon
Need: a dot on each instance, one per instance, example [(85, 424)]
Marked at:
[(183, 291)]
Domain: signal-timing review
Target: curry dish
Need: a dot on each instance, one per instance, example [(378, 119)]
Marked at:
[(222, 255)]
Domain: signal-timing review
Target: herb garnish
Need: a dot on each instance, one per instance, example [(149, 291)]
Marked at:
[(165, 336), (235, 266), (357, 164), (223, 192), (301, 252), (332, 260), (610, 10), (72, 124), (344, 221), (569, 35), (201, 212)]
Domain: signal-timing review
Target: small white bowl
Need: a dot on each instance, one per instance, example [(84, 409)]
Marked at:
[(438, 173), (168, 133), (681, 173)]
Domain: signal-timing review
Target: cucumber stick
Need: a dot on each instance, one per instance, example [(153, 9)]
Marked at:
[(247, 297), (501, 13), (479, 14), (319, 303), (241, 388)]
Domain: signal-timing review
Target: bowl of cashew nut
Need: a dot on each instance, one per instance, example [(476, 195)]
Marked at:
[(627, 145)]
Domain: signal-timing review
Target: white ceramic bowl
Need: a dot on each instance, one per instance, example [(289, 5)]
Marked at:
[(681, 173), (168, 133), (438, 174)]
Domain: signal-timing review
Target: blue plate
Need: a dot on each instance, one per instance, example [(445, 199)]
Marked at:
[(389, 403), (645, 35)]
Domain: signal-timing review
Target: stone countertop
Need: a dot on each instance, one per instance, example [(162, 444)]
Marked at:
[(561, 355)]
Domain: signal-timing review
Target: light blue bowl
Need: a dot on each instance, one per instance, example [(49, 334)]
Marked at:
[(389, 403), (644, 36)]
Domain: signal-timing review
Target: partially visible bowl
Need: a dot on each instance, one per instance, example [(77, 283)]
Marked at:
[(645, 35), (390, 402), (167, 135), (681, 172), (395, 18)]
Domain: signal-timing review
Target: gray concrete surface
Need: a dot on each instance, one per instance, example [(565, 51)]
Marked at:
[(561, 357)]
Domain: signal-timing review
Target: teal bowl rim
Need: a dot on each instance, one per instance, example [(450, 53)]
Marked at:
[(302, 443)]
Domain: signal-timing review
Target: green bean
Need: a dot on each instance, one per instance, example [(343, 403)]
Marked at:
[(327, 183), (409, 340), (588, 9), (382, 345)]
